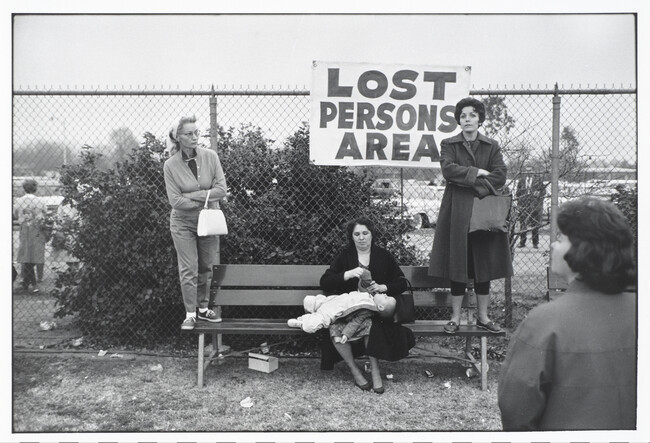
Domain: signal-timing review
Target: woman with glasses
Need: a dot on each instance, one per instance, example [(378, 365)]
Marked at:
[(191, 172)]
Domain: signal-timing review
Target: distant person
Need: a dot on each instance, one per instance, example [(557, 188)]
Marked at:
[(30, 211), (384, 339), (530, 202), (571, 363), (190, 172), (472, 166)]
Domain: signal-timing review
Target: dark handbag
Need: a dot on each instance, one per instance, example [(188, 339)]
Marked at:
[(491, 212), (405, 306)]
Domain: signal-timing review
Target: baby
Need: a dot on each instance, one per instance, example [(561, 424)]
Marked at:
[(357, 306)]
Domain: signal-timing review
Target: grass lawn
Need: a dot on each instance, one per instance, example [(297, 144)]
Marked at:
[(59, 392)]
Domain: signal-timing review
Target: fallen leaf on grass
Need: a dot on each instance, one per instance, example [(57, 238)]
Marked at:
[(447, 385), (246, 403), (156, 368), (101, 353), (287, 416), (47, 325)]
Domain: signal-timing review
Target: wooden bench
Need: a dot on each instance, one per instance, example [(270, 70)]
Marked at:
[(287, 285)]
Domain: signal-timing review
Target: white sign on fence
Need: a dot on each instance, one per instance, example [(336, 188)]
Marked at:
[(387, 115)]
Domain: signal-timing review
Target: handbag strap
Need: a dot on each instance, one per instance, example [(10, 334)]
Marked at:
[(410, 288), (490, 187), (207, 197)]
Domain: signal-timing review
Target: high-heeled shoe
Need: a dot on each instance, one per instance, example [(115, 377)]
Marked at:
[(364, 387), (380, 390)]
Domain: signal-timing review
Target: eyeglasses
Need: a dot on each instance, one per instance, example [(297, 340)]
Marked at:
[(196, 133)]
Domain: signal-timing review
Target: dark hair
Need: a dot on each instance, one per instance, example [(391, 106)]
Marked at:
[(602, 244), (30, 186), (474, 103), (349, 228)]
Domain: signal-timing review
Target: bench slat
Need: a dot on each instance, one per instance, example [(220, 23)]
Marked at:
[(262, 297), (419, 277), (302, 276), (294, 297), (250, 326), (268, 275)]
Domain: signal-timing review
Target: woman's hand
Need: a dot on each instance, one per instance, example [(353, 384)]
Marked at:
[(353, 273), (376, 288), (482, 173)]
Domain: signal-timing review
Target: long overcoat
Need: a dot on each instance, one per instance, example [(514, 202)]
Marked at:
[(490, 250), (30, 211)]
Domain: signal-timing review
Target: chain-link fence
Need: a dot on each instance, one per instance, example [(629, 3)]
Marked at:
[(261, 138)]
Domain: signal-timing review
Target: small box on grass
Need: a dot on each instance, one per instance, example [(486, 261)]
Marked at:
[(262, 363)]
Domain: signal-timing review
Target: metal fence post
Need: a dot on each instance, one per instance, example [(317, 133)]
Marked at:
[(217, 343), (555, 175)]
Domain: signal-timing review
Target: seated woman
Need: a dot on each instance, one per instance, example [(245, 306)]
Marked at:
[(384, 339), (571, 364)]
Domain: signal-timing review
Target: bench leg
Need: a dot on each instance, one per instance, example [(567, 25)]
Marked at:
[(484, 363), (201, 351)]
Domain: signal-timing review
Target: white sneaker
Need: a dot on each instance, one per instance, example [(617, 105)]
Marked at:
[(188, 323), (294, 323)]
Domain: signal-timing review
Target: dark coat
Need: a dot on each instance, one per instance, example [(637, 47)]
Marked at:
[(491, 250), (572, 364), (388, 340), (530, 199)]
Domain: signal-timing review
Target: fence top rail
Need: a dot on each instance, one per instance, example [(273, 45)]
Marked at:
[(552, 91), (158, 92), (298, 92)]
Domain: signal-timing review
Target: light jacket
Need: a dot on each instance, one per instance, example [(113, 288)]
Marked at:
[(571, 364), (187, 193)]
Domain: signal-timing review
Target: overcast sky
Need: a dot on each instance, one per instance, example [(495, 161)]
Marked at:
[(190, 51)]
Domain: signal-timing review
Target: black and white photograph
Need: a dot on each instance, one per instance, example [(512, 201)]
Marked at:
[(340, 223)]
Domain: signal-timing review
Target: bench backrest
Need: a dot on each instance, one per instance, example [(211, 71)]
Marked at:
[(287, 285)]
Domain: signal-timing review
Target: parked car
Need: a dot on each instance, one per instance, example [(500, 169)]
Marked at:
[(384, 187)]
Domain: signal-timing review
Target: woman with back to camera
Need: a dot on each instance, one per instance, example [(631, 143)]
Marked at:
[(384, 339), (190, 173), (571, 363), (472, 166), (30, 211)]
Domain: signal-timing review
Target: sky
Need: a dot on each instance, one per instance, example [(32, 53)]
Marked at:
[(573, 43), (196, 51)]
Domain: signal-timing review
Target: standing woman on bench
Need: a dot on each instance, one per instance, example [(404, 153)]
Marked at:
[(190, 173), (385, 339), (468, 162)]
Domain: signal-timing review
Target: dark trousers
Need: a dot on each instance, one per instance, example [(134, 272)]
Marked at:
[(530, 220), (29, 277)]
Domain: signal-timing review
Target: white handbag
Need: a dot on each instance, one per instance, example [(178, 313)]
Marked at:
[(211, 221)]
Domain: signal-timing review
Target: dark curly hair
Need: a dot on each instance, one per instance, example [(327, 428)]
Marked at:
[(474, 103), (602, 244), (349, 228), (30, 186)]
